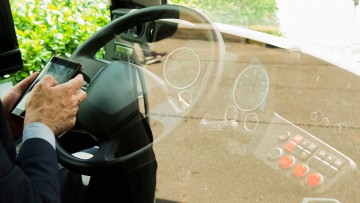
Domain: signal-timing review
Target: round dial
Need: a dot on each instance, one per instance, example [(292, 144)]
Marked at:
[(182, 68), (251, 88)]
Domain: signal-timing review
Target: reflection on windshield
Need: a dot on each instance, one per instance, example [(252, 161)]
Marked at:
[(232, 116), (278, 120)]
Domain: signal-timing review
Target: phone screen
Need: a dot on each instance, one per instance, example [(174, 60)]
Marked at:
[(61, 69)]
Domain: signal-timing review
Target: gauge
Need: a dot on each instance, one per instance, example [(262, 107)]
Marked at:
[(251, 122), (251, 88), (182, 68)]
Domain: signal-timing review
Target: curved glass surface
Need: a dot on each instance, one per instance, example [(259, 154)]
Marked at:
[(240, 117)]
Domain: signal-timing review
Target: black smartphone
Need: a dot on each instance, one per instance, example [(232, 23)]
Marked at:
[(60, 68)]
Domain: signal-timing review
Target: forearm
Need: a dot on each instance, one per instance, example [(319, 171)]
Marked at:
[(34, 177), (38, 160)]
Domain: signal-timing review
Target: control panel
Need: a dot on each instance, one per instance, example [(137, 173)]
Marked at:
[(119, 48), (132, 45), (302, 157)]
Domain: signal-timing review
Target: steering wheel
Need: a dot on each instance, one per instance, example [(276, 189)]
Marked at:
[(111, 113)]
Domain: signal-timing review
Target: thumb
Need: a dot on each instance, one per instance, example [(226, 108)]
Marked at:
[(25, 83)]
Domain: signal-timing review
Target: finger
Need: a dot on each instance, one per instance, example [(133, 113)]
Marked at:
[(25, 83), (74, 110), (78, 97), (81, 95), (48, 80), (76, 82)]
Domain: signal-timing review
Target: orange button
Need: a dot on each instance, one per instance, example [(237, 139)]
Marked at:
[(314, 179), (286, 161), (300, 170)]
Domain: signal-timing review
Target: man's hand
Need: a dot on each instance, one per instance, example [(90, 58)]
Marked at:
[(55, 105), (9, 100)]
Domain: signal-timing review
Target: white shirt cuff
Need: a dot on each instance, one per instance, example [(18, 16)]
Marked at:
[(38, 130)]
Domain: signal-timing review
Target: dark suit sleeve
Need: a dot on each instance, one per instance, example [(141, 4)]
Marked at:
[(33, 176)]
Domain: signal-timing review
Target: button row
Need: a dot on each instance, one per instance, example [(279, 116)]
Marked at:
[(330, 158), (300, 170), (323, 167)]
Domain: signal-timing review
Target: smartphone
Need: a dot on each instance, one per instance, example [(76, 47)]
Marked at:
[(60, 68)]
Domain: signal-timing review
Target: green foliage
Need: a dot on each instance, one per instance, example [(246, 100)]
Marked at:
[(235, 12), (51, 27)]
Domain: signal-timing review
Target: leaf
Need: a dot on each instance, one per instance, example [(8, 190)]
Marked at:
[(44, 28), (24, 74)]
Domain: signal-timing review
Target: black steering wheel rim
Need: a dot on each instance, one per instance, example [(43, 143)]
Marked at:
[(85, 54)]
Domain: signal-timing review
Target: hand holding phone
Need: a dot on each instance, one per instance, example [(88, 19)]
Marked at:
[(55, 105), (60, 68)]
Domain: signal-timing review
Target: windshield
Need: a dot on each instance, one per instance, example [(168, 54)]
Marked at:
[(247, 101), (280, 126)]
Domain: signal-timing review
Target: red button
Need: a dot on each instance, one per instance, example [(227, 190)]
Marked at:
[(286, 162), (300, 170), (289, 146), (314, 179), (297, 139)]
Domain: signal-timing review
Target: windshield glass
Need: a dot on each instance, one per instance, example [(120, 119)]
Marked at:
[(242, 101), (279, 126)]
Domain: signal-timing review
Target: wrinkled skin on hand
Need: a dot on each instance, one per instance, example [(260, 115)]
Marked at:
[(9, 100), (55, 105)]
